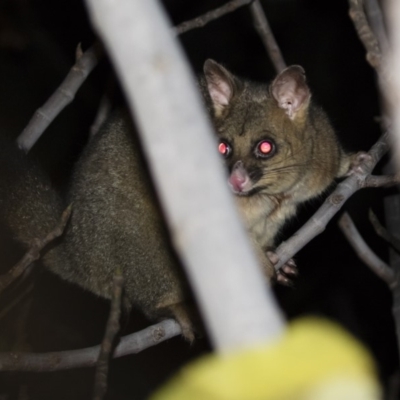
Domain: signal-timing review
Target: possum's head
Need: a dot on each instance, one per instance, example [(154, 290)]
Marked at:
[(265, 132)]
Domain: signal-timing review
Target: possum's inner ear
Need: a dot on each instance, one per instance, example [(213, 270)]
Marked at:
[(291, 91), (220, 84)]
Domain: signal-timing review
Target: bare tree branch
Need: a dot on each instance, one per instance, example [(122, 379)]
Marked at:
[(112, 328), (375, 18), (64, 94), (55, 361), (102, 113), (264, 30), (383, 232), (317, 223), (390, 83), (382, 181), (201, 214), (34, 252), (204, 19), (367, 37), (364, 252)]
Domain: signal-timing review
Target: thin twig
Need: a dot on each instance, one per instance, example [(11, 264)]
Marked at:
[(204, 19), (102, 113), (367, 37), (264, 30), (376, 21), (364, 252), (383, 232), (317, 223), (382, 181), (64, 94), (105, 106), (34, 251), (106, 349), (56, 361)]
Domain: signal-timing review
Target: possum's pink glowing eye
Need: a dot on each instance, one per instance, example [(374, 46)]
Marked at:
[(224, 149), (265, 148)]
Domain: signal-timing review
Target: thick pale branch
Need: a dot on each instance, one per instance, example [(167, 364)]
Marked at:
[(364, 252), (33, 253), (204, 19), (64, 94), (264, 30), (238, 309), (55, 361), (332, 205)]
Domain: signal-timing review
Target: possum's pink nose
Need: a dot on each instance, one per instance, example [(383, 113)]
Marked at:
[(239, 179)]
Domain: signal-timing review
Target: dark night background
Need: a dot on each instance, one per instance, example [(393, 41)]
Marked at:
[(38, 39)]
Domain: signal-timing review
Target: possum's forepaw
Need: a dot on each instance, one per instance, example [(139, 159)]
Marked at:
[(357, 162), (288, 271)]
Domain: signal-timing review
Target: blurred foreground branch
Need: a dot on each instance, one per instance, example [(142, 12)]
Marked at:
[(201, 213)]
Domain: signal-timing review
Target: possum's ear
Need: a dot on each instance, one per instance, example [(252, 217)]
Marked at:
[(291, 91), (221, 85)]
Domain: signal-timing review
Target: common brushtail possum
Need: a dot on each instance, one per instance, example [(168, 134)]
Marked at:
[(279, 148)]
